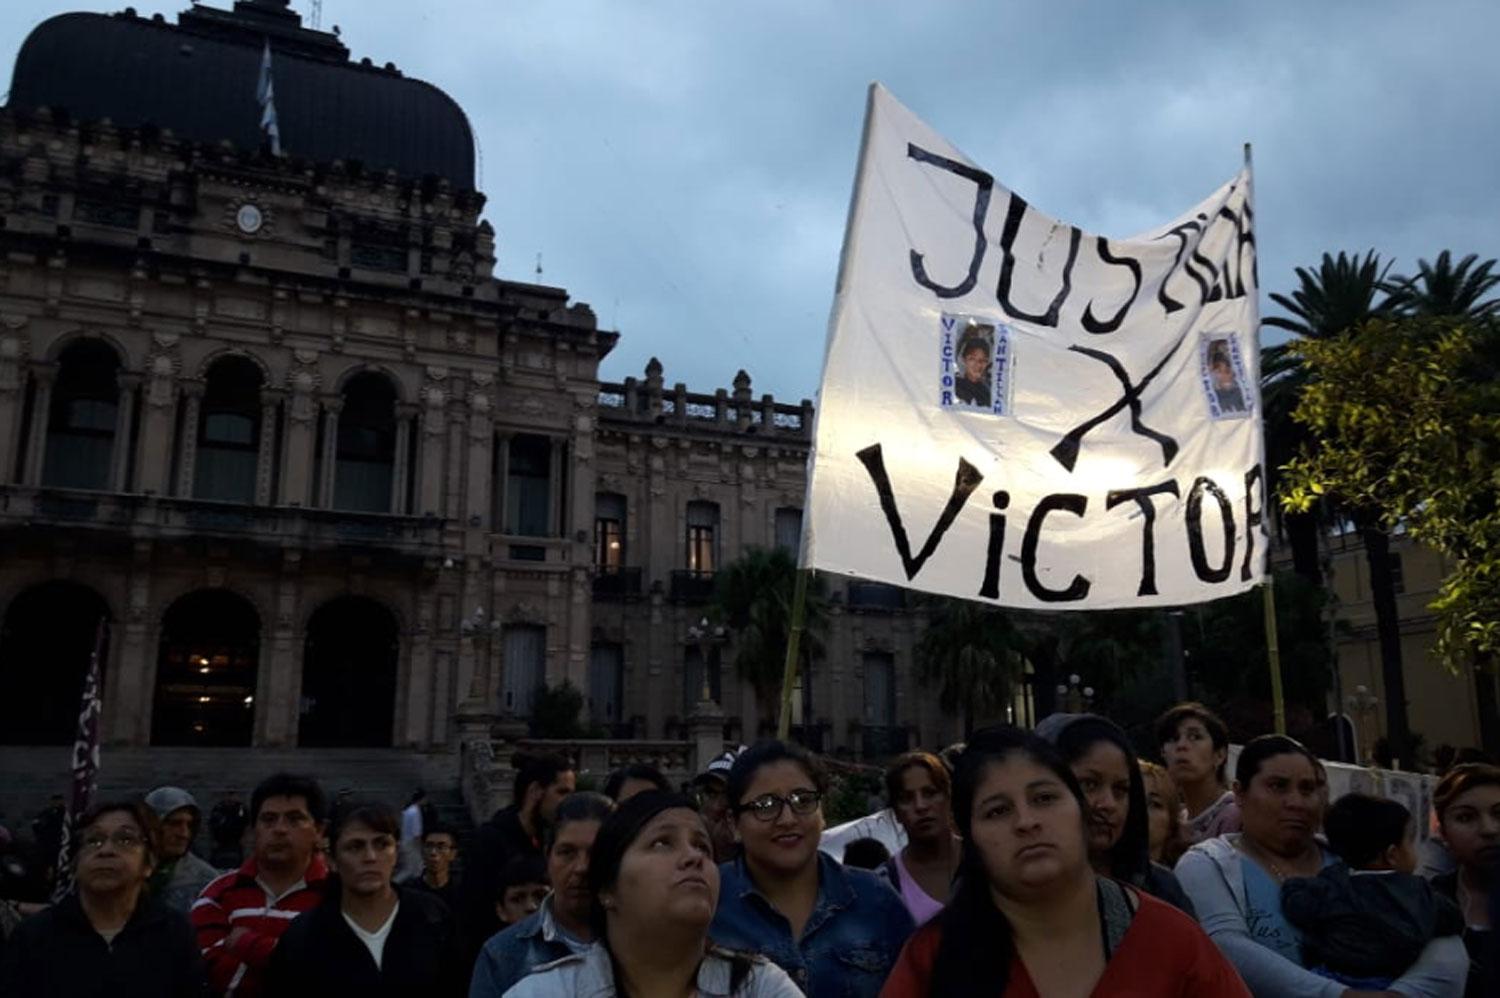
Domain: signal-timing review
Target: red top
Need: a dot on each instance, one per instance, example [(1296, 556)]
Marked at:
[(1164, 954), (238, 901)]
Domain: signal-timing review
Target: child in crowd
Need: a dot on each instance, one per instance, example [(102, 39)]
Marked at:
[(1366, 920), (522, 887), (866, 854)]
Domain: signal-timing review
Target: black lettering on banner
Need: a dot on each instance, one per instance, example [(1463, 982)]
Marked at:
[(1195, 530), (991, 586), (1214, 292), (1169, 303), (965, 481), (1013, 216), (1077, 589), (1255, 480), (1094, 325), (1142, 499), (984, 184), (1244, 235), (1066, 450)]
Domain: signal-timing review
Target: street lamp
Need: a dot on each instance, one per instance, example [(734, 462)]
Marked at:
[(1363, 703), (706, 636), (1075, 697)]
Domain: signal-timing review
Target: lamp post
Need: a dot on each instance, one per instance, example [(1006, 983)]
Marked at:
[(1074, 696), (708, 637), (1363, 703)]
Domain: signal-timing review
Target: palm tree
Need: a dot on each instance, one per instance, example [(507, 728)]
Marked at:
[(1445, 289), (753, 596), (971, 653), (1343, 294)]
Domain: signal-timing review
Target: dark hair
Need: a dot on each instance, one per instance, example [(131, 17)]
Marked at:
[(1459, 781), (440, 829), (291, 785), (977, 946), (619, 830), (1130, 857), (1262, 747), (1361, 828), (866, 854), (1191, 710), (518, 871), (537, 767), (377, 816), (765, 753), (916, 760), (585, 805), (634, 771), (973, 343), (139, 812)]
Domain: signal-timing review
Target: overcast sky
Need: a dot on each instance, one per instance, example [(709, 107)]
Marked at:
[(684, 166)]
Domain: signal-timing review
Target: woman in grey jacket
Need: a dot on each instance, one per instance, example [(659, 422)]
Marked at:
[(1235, 883)]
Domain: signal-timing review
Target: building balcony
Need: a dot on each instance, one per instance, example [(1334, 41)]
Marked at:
[(617, 582), (165, 518), (875, 596), (690, 586)]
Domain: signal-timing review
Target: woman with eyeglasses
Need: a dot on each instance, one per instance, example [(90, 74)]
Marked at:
[(105, 937), (836, 931)]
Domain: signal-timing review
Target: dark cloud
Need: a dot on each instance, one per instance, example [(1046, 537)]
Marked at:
[(685, 166)]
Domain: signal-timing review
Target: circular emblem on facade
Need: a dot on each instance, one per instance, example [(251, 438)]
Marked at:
[(249, 219)]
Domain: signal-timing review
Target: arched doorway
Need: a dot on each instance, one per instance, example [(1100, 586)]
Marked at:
[(81, 425), (45, 645), (366, 445), (229, 432), (205, 671), (349, 674)]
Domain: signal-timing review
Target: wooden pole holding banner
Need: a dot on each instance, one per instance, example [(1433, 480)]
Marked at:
[(1268, 594), (799, 592), (793, 649)]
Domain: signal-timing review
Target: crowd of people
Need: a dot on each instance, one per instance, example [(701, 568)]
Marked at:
[(1032, 863)]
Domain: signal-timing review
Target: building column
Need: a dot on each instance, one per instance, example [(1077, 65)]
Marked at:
[(481, 451), (265, 458), (297, 459), (332, 406), (431, 491), (119, 458), (12, 399), (187, 460), (502, 482), (554, 488), (405, 413), (130, 693), (153, 464), (44, 374), (278, 700), (453, 482)]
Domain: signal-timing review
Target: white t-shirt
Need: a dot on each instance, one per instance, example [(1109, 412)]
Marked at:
[(374, 941)]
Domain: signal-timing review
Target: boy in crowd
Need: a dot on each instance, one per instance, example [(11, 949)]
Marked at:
[(523, 888), (1366, 920)]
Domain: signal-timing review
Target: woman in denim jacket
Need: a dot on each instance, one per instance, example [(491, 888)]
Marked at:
[(836, 931)]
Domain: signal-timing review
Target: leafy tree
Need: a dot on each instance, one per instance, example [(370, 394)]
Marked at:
[(1408, 416), (1447, 289), (972, 654), (753, 597), (555, 712), (1333, 304)]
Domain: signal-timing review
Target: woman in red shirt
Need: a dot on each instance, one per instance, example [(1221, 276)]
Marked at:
[(1030, 918)]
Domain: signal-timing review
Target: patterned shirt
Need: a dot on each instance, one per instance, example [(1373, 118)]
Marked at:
[(238, 900)]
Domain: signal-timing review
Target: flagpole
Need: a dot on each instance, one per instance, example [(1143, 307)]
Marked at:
[(799, 591), (1268, 590)]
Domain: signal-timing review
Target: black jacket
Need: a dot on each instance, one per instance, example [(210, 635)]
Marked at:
[(58, 954), (1483, 944), (495, 843), (1366, 924), (319, 955)]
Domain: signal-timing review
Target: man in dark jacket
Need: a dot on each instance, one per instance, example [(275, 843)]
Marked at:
[(542, 781), (106, 938), (372, 939)]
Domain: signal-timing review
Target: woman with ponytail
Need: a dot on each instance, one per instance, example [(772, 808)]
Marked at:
[(1030, 918)]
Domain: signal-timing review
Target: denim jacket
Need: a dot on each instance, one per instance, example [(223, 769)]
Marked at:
[(850, 942), (517, 951)]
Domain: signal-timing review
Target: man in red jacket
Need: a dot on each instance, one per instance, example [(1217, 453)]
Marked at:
[(241, 915)]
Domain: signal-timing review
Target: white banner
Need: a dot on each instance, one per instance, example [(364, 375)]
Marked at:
[(1016, 411)]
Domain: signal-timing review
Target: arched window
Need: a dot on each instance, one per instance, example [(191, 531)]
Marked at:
[(349, 674), (366, 445), (205, 671), (229, 432), (81, 423), (45, 646)]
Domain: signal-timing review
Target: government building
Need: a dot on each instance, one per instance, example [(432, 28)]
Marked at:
[(334, 486)]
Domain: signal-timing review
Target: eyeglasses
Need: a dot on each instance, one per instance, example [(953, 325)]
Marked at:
[(122, 840), (767, 807)]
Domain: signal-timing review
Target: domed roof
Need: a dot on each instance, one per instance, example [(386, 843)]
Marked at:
[(198, 78)]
